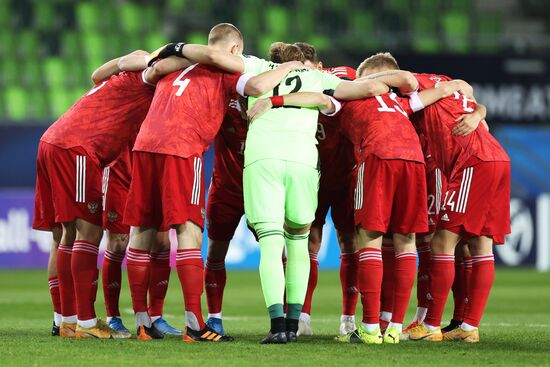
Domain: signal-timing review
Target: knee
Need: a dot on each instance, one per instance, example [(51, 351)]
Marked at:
[(404, 242), (217, 250), (314, 240), (444, 242), (346, 241), (117, 242), (297, 229)]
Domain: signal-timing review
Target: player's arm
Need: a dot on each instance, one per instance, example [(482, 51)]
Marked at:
[(403, 80), (441, 90), (470, 121), (164, 67), (113, 67), (326, 104), (266, 81), (201, 54), (359, 89)]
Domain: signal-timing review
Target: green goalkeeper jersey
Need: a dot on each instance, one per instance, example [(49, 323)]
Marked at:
[(286, 133)]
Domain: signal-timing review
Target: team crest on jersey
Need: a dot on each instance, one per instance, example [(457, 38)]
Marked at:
[(436, 79), (112, 216), (93, 206)]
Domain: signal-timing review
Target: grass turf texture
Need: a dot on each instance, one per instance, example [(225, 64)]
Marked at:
[(514, 331)]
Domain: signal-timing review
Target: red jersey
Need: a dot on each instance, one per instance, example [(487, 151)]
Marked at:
[(187, 111), (106, 119), (380, 126), (336, 155), (436, 121), (229, 144)]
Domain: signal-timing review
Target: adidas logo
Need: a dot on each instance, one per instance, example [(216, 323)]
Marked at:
[(114, 285), (445, 217), (162, 283)]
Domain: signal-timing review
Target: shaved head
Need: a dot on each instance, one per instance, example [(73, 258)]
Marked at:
[(225, 33)]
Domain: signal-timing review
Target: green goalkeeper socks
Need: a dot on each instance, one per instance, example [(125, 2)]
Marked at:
[(297, 272), (272, 274)]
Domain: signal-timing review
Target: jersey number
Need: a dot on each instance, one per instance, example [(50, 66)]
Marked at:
[(182, 84), (289, 82), (396, 107), (465, 101)]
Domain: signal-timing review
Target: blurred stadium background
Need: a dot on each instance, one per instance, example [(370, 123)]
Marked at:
[(48, 49)]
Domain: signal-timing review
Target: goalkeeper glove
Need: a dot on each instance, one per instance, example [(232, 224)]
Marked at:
[(171, 49)]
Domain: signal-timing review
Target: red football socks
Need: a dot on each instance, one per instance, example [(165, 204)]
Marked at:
[(483, 275), (348, 279), (215, 277), (459, 295), (442, 273), (370, 282), (85, 273), (65, 276), (138, 264), (423, 275), (388, 279), (405, 272), (191, 274), (111, 276), (53, 284), (312, 282), (159, 276)]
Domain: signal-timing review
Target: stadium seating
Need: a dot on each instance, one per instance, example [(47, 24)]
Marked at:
[(51, 45)]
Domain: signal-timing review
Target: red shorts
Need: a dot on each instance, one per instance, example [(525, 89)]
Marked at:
[(224, 208), (392, 196), (340, 202), (165, 190), (115, 192), (436, 183), (68, 186), (477, 201)]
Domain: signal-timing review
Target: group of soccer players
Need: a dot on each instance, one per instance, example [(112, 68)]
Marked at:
[(405, 167)]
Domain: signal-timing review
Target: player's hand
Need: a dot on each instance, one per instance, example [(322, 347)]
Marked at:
[(294, 65), (259, 108), (466, 124), (171, 49)]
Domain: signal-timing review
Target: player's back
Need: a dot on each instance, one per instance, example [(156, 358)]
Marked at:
[(437, 121), (186, 112), (105, 119), (380, 126)]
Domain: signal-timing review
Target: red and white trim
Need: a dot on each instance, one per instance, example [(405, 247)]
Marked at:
[(105, 183), (370, 255), (188, 254), (138, 256), (405, 255), (80, 179), (53, 283), (160, 255), (196, 192), (482, 258), (438, 190), (359, 187), (443, 258), (85, 246), (468, 262), (464, 192), (65, 248), (113, 256), (313, 257)]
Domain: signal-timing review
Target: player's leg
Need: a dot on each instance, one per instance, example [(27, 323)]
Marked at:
[(483, 275), (458, 288), (159, 277), (301, 194), (442, 272), (388, 281), (349, 259), (66, 284), (265, 179), (314, 245), (53, 281), (111, 277), (404, 274), (224, 210)]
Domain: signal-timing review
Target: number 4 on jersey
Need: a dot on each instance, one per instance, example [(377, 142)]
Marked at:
[(182, 84)]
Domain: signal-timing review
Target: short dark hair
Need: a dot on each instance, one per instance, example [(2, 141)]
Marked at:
[(223, 32), (275, 52), (309, 51)]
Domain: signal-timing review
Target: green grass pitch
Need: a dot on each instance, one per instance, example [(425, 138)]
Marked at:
[(514, 331)]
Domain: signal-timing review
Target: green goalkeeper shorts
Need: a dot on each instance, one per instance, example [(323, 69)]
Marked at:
[(277, 191)]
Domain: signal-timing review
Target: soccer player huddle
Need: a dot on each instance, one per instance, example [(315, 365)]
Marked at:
[(404, 161)]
